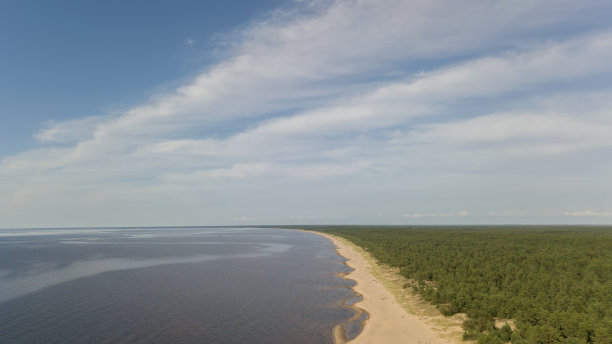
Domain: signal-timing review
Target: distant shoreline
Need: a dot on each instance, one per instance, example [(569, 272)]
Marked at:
[(388, 321)]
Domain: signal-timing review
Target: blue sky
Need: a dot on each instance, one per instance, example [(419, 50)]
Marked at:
[(229, 112), (69, 59)]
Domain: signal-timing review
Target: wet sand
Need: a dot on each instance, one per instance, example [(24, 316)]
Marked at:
[(388, 321)]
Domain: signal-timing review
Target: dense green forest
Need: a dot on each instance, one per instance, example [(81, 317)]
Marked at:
[(555, 282)]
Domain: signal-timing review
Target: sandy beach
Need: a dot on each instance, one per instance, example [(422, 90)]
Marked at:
[(396, 315)]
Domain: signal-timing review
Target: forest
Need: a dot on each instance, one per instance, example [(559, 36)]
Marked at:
[(554, 282)]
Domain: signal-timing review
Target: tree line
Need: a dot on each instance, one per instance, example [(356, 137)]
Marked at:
[(554, 282)]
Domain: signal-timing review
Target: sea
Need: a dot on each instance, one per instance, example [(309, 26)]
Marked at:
[(172, 285)]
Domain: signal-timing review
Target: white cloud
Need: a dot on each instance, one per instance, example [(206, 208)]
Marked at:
[(362, 101), (509, 213), (536, 133), (420, 215), (242, 219), (285, 62), (69, 131), (274, 170), (588, 213)]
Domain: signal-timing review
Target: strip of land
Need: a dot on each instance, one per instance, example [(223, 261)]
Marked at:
[(395, 315)]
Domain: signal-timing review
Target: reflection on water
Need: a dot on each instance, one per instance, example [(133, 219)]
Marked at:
[(53, 231), (41, 276), (160, 285)]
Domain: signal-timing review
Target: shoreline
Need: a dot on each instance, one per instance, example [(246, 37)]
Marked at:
[(392, 318)]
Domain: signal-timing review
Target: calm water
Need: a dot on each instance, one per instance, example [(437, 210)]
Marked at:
[(170, 285)]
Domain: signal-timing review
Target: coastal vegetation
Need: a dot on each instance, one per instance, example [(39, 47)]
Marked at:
[(555, 283)]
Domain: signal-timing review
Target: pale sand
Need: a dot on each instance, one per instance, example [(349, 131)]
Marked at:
[(388, 321)]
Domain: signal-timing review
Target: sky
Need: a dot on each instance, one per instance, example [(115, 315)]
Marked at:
[(150, 113)]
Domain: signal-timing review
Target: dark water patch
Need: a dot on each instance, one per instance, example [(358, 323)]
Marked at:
[(353, 328), (353, 300)]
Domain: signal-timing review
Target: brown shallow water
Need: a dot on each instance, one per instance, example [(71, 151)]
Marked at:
[(171, 285)]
